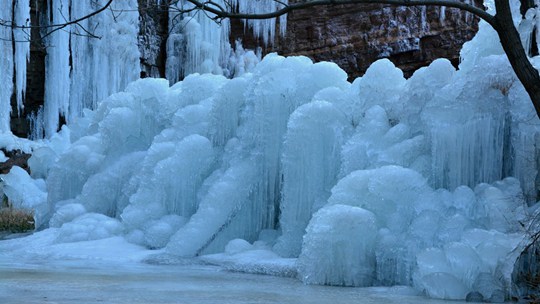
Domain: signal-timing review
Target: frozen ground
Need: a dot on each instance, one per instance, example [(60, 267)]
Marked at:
[(78, 282), (112, 271)]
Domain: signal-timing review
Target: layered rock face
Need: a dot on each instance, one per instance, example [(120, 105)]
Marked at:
[(353, 36)]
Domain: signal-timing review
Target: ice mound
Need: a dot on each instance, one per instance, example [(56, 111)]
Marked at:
[(384, 93), (338, 247), (88, 227), (26, 193), (376, 143), (447, 244), (390, 192), (241, 256)]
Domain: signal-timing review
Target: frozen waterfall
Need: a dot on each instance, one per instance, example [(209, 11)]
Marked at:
[(88, 61), (199, 44), (287, 169), (6, 66), (85, 62)]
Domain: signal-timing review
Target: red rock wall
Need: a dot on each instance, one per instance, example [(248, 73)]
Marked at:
[(353, 36)]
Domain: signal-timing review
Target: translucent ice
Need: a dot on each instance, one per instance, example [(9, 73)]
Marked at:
[(22, 48), (6, 66), (322, 128), (338, 247)]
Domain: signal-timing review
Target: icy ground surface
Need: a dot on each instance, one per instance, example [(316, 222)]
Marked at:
[(112, 271), (183, 284)]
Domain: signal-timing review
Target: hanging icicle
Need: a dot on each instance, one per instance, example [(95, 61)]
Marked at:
[(57, 68), (6, 68), (22, 49)]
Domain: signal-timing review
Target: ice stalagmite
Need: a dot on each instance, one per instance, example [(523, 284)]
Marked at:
[(331, 256)]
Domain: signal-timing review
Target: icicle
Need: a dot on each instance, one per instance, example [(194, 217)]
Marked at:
[(6, 68), (197, 45), (107, 65), (116, 55), (265, 28), (200, 45), (536, 19), (442, 14), (525, 29), (22, 49), (423, 18), (469, 153), (57, 68), (35, 120), (81, 75)]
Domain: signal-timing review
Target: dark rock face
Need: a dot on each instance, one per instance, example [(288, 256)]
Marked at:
[(353, 36), (35, 74), (153, 31)]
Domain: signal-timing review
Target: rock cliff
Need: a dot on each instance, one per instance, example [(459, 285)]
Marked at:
[(353, 36)]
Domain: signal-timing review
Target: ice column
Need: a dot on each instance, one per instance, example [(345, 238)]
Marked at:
[(104, 57), (115, 57), (81, 76), (198, 44), (264, 28), (22, 48), (6, 67), (315, 134), (469, 153), (57, 67)]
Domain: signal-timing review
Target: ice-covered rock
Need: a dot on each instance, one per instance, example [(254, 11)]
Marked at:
[(26, 193)]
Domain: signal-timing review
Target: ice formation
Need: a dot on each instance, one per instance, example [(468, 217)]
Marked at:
[(6, 66), (57, 70), (22, 48), (80, 69), (199, 44), (102, 66), (384, 181), (87, 61)]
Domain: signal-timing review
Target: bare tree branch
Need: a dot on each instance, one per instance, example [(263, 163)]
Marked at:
[(56, 26)]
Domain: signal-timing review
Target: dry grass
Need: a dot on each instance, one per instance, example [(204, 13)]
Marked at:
[(16, 220)]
